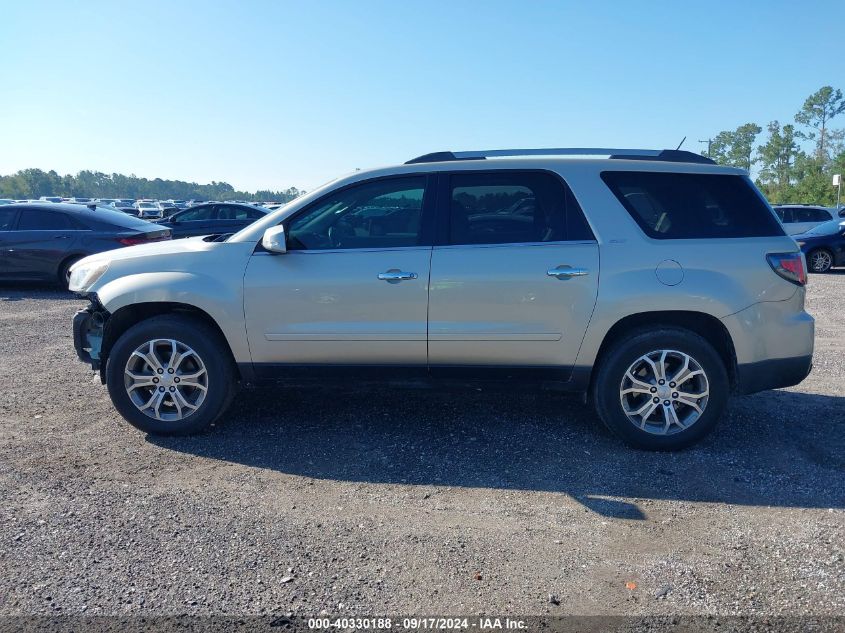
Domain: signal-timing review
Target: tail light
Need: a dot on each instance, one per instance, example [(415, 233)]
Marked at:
[(790, 266)]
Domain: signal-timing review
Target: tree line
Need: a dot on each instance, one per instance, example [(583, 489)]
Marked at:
[(34, 183), (796, 161)]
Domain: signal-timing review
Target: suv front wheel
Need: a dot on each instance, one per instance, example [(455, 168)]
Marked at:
[(661, 389), (170, 375)]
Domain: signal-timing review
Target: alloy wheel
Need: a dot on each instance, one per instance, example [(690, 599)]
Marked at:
[(664, 392), (820, 261), (166, 380)]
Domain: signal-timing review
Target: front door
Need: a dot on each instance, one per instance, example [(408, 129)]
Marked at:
[(8, 221), (41, 241), (352, 288), (514, 276)]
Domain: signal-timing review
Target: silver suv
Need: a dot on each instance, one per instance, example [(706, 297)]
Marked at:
[(653, 282)]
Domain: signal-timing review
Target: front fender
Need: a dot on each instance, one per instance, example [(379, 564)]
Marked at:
[(223, 302)]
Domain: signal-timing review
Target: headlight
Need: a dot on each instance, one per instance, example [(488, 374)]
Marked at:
[(801, 243), (83, 276)]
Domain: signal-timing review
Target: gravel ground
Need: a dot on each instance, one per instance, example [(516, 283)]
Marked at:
[(398, 502)]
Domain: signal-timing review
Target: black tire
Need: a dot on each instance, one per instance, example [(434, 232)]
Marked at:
[(208, 345), (614, 365), (64, 271), (817, 263)]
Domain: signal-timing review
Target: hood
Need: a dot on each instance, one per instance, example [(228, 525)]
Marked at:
[(835, 227), (165, 247)]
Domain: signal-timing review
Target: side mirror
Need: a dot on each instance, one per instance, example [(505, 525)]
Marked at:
[(274, 240)]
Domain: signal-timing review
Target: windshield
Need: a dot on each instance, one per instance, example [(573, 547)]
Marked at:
[(827, 228), (146, 205)]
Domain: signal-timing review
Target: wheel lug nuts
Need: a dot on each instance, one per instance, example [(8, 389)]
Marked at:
[(675, 395), (161, 388), (170, 371), (666, 403), (172, 389), (161, 371), (661, 382), (653, 390), (175, 380), (672, 384), (657, 400), (155, 379)]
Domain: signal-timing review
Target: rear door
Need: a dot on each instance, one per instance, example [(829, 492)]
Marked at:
[(514, 273), (42, 240)]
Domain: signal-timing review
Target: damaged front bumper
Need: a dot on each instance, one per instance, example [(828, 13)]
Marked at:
[(88, 332)]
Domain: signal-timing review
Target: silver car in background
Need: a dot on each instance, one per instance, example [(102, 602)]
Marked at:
[(653, 282), (149, 209)]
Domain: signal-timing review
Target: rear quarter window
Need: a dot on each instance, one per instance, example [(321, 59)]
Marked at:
[(671, 206)]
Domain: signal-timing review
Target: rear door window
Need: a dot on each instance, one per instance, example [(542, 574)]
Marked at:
[(809, 214), (509, 207), (669, 205)]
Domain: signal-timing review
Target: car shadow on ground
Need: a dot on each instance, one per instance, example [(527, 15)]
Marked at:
[(776, 448), (19, 291)]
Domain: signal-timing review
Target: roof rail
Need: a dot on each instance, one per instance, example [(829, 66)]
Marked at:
[(671, 155)]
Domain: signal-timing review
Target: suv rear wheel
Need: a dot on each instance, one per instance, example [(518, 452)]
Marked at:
[(170, 375), (662, 389)]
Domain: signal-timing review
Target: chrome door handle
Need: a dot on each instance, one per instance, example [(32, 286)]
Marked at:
[(562, 272), (396, 275)]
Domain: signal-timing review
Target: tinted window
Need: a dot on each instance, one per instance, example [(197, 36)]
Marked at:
[(40, 220), (381, 214), (513, 207), (7, 216), (196, 214), (689, 206), (809, 214), (232, 212)]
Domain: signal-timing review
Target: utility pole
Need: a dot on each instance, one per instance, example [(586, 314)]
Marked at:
[(709, 142)]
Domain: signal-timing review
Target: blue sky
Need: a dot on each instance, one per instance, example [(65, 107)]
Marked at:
[(276, 94)]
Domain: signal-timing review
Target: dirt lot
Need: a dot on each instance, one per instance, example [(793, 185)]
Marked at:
[(400, 502)]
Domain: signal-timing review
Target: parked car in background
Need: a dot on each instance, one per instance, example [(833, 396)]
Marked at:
[(148, 209), (798, 218), (104, 202), (654, 282), (50, 199), (40, 241), (78, 200), (167, 210), (208, 219), (179, 204), (823, 245)]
